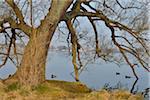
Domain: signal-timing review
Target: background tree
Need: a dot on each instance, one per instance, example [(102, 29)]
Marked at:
[(126, 25)]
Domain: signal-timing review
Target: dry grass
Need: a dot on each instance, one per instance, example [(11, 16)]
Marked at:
[(61, 90)]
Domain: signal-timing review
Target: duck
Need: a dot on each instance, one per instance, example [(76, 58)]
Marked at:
[(117, 73), (53, 76), (127, 76)]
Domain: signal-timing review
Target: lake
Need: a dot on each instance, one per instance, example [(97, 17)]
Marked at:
[(96, 75)]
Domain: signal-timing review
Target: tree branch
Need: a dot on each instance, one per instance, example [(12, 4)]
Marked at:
[(74, 48), (56, 11), (22, 25), (25, 28), (15, 8)]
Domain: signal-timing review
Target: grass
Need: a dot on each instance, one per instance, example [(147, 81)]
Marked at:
[(12, 87), (42, 88), (61, 90)]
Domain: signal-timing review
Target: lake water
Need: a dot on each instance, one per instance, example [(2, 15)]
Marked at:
[(96, 75)]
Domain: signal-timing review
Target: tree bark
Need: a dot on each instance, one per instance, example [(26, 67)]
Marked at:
[(32, 69)]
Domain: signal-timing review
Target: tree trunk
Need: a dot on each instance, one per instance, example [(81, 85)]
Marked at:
[(32, 69)]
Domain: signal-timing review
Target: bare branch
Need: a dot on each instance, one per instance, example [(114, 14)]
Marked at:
[(25, 28), (21, 25), (131, 7), (8, 50), (16, 10)]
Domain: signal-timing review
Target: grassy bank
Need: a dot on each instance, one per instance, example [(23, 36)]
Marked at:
[(61, 90)]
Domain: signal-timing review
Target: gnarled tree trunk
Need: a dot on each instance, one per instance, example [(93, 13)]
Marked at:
[(32, 69)]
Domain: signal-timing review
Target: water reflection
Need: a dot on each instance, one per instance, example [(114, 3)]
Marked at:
[(119, 85), (134, 89), (146, 93)]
